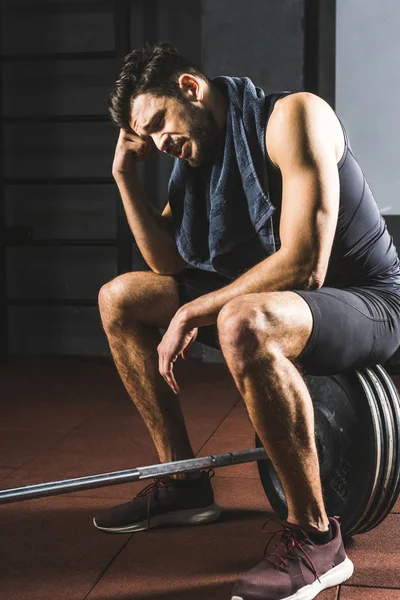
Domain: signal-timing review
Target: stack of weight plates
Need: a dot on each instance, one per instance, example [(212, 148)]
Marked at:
[(388, 401), (357, 429)]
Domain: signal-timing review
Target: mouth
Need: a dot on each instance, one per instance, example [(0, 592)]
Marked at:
[(184, 150), (179, 150)]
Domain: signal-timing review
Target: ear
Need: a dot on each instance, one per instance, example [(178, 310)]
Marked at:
[(191, 87)]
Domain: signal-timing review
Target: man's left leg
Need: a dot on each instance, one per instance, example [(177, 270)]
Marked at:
[(261, 335)]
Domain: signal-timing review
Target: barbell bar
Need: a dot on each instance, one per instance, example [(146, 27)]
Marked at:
[(77, 484)]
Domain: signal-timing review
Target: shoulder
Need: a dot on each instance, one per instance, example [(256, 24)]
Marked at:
[(299, 104), (299, 117)]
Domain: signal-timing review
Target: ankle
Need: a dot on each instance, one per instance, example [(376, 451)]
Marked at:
[(312, 524)]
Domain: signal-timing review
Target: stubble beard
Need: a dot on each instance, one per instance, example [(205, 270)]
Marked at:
[(203, 130)]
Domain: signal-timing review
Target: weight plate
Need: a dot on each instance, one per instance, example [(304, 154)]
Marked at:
[(349, 442), (377, 499), (394, 486)]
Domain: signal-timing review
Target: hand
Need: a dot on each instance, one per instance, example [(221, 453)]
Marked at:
[(177, 340), (130, 149)]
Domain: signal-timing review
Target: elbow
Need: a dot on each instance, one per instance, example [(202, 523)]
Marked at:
[(174, 270), (314, 281), (164, 272), (310, 278)]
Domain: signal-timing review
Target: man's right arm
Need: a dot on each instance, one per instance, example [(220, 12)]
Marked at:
[(152, 230)]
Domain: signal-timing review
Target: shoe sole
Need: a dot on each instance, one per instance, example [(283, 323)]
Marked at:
[(193, 516), (335, 576)]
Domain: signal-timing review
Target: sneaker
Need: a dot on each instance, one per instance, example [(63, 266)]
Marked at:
[(297, 569), (167, 501)]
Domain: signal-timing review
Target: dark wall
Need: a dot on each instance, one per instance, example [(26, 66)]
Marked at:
[(256, 39), (65, 234)]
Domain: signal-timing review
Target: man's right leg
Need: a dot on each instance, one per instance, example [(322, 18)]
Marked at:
[(132, 307)]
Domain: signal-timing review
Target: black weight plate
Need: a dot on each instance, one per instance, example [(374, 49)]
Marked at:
[(349, 441), (394, 486), (377, 499)]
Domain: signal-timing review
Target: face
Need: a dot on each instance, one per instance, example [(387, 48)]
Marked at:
[(182, 129)]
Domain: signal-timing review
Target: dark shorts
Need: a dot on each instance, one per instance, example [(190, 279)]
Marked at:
[(353, 328)]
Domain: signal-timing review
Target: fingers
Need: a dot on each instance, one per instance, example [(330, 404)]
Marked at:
[(171, 379), (129, 140), (166, 370)]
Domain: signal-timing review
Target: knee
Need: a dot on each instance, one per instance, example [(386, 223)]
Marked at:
[(245, 332), (114, 303)]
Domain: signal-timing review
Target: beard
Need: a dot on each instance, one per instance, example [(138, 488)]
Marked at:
[(203, 131)]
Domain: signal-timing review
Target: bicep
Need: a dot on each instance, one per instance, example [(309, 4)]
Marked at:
[(304, 150), (310, 205)]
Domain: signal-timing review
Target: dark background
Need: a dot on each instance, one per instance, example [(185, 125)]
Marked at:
[(61, 220)]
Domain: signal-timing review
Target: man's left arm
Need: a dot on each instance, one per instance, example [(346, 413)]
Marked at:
[(301, 143)]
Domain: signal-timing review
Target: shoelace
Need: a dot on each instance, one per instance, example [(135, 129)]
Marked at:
[(290, 542), (158, 483)]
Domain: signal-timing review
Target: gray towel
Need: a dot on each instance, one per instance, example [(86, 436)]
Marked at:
[(239, 232)]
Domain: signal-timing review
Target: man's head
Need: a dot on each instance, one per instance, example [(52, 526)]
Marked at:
[(161, 95)]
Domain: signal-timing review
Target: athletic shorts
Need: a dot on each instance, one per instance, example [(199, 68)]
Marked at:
[(353, 328)]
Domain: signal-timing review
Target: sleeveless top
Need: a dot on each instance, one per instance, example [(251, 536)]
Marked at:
[(363, 252)]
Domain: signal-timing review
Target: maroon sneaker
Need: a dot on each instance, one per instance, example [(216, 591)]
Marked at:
[(296, 569), (167, 501)]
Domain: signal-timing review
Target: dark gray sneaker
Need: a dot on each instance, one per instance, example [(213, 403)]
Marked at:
[(166, 501)]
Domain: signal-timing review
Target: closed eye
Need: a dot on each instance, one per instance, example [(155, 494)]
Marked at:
[(156, 122)]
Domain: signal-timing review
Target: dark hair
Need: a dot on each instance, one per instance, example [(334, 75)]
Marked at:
[(152, 68)]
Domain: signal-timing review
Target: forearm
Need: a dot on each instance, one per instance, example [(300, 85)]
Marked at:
[(152, 231), (278, 272)]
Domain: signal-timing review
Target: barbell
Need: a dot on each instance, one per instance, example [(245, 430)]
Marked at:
[(357, 431)]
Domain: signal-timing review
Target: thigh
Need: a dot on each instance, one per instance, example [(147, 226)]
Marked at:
[(352, 329)]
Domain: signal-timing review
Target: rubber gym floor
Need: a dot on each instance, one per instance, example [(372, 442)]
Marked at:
[(68, 418)]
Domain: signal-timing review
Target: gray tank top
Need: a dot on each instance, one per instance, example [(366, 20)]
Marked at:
[(363, 252)]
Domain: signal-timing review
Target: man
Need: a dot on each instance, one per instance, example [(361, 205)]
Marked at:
[(290, 267)]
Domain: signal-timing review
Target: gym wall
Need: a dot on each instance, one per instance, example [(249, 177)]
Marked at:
[(66, 234), (367, 92)]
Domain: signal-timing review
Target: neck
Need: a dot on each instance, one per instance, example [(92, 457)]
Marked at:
[(219, 105)]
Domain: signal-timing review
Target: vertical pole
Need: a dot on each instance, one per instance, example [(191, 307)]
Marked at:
[(311, 46), (122, 47), (150, 25), (320, 48), (3, 269)]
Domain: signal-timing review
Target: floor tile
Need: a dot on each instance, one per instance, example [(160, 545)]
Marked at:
[(51, 551), (365, 593), (5, 472), (376, 555), (206, 389), (237, 423), (47, 379), (18, 447), (244, 507), (58, 416)]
